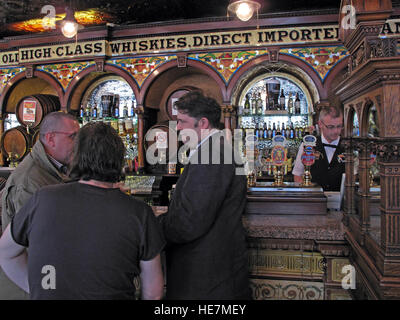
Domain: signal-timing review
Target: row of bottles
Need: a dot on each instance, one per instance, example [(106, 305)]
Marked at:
[(263, 132), (254, 104), (94, 112)]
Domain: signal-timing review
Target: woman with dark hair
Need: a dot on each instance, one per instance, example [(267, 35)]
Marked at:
[(86, 239)]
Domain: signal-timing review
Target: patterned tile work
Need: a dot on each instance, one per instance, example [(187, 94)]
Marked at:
[(266, 289), (6, 75), (283, 262), (65, 72), (321, 59), (227, 63), (141, 68)]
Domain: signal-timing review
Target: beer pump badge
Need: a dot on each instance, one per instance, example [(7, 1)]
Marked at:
[(279, 152), (308, 156)]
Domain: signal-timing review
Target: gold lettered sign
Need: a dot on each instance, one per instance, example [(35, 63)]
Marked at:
[(260, 37), (210, 40), (54, 52), (9, 58)]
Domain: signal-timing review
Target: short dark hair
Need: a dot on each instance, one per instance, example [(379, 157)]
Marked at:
[(197, 106), (98, 154), (331, 111)]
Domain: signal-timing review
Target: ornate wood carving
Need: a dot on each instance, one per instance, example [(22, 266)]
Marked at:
[(29, 71), (380, 48), (388, 150), (273, 54), (182, 60), (99, 65), (266, 289), (283, 262)]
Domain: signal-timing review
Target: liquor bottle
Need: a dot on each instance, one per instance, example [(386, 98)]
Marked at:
[(253, 104), (260, 131), (94, 111), (259, 104), (296, 131), (116, 112), (116, 106), (269, 130), (292, 132), (256, 132), (301, 132), (247, 105), (273, 130), (283, 131), (297, 104), (81, 112), (100, 111), (125, 110), (88, 111), (278, 129), (290, 104), (287, 131), (265, 131), (132, 110), (282, 101), (266, 101)]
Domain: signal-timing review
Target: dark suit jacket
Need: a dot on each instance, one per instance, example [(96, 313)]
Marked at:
[(206, 253)]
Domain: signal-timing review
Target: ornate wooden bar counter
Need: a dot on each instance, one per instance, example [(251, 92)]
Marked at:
[(296, 246)]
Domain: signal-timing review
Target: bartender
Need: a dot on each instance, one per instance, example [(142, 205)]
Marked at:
[(329, 154)]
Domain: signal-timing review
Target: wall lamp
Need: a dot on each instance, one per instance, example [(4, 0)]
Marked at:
[(69, 25), (244, 9)]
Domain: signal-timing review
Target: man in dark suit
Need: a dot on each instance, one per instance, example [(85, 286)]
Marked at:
[(329, 164), (206, 256)]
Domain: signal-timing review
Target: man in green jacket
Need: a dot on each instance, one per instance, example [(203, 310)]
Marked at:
[(45, 165)]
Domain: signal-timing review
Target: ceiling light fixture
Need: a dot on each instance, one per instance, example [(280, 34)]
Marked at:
[(244, 9), (69, 26)]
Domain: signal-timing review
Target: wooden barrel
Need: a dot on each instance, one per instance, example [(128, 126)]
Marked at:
[(31, 110), (16, 141), (35, 137)]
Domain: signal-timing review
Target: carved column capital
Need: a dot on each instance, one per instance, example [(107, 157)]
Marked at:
[(388, 150), (228, 110), (139, 110)]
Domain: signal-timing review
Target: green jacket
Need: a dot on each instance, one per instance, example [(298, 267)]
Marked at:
[(34, 172)]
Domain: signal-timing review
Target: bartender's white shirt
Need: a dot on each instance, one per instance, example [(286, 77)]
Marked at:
[(298, 169)]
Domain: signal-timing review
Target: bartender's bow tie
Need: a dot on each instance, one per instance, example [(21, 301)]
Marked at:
[(329, 145)]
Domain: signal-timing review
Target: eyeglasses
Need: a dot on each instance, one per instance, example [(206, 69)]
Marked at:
[(330, 127), (69, 134)]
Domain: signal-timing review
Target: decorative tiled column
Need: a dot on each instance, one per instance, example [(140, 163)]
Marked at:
[(139, 110)]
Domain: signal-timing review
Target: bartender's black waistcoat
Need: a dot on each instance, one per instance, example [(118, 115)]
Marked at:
[(328, 175)]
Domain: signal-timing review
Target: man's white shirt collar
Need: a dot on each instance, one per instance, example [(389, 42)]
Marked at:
[(334, 142)]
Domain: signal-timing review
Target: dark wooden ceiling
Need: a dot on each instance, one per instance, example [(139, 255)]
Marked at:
[(145, 11)]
